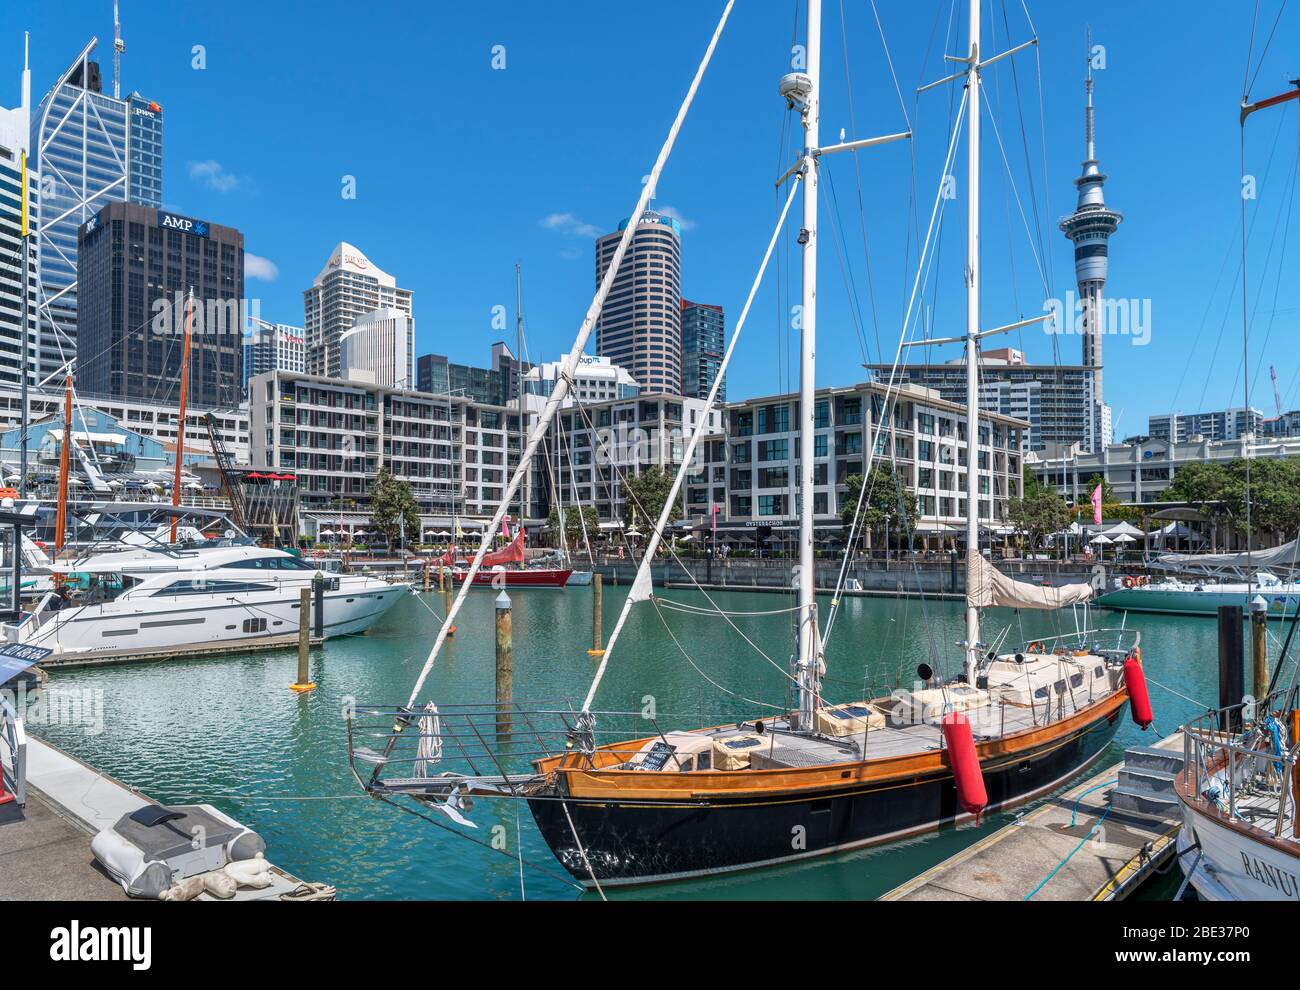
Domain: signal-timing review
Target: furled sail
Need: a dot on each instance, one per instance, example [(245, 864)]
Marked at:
[(986, 586)]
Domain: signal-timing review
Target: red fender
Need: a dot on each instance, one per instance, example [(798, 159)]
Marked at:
[(965, 764), (1138, 698)]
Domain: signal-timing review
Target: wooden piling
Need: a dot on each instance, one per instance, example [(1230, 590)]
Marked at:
[(426, 578), (1259, 646), (597, 625), (505, 662), (446, 605), (1230, 667), (303, 683)]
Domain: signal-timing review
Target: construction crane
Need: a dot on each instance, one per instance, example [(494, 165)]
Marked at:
[(1277, 396), (119, 46), (234, 494)]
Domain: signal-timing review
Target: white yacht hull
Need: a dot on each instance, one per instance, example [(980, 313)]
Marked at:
[(1230, 865), (181, 621)]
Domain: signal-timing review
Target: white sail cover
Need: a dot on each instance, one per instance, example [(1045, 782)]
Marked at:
[(1283, 558), (986, 586)]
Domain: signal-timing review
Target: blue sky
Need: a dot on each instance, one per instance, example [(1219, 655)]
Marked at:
[(462, 169)]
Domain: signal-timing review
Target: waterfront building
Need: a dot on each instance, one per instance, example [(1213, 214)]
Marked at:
[(135, 267), (156, 421), (921, 432), (81, 143), (272, 346), (704, 341), (1221, 424), (587, 449), (347, 288), (596, 379), (640, 326), (1140, 471), (1285, 425), (15, 129), (1055, 400), (335, 435), (379, 349)]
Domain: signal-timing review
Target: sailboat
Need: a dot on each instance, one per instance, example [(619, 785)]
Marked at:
[(622, 800)]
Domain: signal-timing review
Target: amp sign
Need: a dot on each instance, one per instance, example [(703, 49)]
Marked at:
[(199, 228)]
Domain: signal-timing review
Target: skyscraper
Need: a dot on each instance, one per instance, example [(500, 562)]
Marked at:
[(347, 288), (14, 136), (1089, 227), (144, 175), (135, 266), (640, 326), (273, 347), (703, 343), (81, 143), (379, 349)]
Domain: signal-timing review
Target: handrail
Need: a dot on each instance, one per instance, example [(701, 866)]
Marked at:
[(15, 737)]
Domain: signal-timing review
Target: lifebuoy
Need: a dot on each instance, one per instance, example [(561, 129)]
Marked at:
[(1128, 581)]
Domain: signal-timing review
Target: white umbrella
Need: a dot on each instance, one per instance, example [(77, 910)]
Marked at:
[(1100, 540), (327, 532), (1123, 538)]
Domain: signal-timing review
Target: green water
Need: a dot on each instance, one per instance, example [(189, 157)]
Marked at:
[(229, 732)]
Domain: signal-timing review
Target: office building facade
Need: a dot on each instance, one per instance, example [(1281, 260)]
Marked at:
[(378, 349), (640, 326), (135, 267), (272, 347), (1221, 424), (347, 288), (15, 129), (495, 385), (704, 341), (81, 143), (144, 174), (596, 379)]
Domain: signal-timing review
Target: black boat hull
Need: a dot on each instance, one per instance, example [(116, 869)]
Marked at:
[(638, 842)]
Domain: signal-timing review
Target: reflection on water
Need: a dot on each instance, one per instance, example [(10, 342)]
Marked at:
[(230, 732)]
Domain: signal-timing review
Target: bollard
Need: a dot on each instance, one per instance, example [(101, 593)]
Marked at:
[(303, 683), (318, 587), (1230, 668), (442, 573), (505, 662), (1259, 645), (426, 578), (596, 623)]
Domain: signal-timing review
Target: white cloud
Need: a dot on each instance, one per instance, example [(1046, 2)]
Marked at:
[(213, 175), (567, 223), (572, 253), (262, 269), (672, 211)]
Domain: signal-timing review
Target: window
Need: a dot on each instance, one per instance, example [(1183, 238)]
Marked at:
[(271, 564), (201, 586)]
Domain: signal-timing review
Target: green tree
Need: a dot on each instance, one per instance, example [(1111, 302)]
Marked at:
[(1107, 492), (574, 518), (645, 494), (1038, 512), (887, 500), (391, 502)]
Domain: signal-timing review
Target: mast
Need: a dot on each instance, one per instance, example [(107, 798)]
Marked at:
[(519, 375), (807, 676), (61, 512), (180, 425), (972, 331), (26, 248)]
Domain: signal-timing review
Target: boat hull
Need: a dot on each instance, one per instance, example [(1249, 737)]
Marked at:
[(539, 577), (630, 842), (1231, 864), (1281, 605)]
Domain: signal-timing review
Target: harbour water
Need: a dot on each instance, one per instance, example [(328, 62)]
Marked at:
[(230, 732)]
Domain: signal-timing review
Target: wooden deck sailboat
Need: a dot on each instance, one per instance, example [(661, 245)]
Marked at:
[(656, 804)]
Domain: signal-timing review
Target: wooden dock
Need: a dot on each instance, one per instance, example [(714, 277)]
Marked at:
[(110, 658), (1075, 847)]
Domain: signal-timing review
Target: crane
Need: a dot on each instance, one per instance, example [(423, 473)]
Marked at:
[(119, 46), (1277, 396), (229, 485)]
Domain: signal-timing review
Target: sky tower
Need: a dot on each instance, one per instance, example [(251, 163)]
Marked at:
[(1090, 227)]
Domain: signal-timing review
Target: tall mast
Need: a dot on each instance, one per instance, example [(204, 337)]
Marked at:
[(180, 423), (26, 246), (972, 329), (807, 675), (519, 375)]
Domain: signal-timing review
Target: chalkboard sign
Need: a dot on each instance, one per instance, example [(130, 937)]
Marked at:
[(657, 758)]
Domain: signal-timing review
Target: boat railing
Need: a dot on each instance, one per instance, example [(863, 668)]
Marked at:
[(493, 745), (13, 763), (1126, 640), (1237, 760)]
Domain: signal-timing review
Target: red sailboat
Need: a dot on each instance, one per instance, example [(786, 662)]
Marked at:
[(505, 568)]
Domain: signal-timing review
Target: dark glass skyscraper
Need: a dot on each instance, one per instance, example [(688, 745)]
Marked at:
[(135, 266), (144, 176), (703, 344)]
